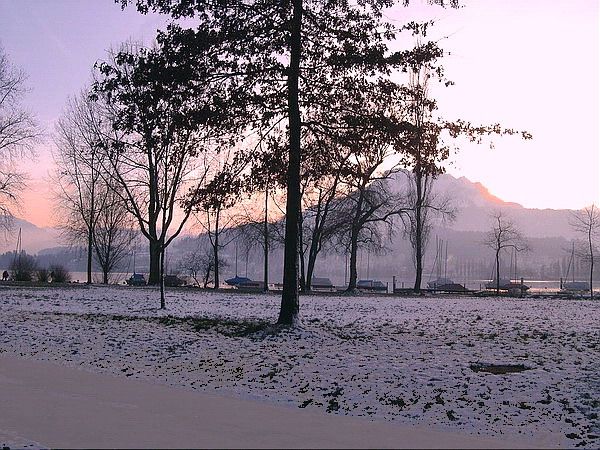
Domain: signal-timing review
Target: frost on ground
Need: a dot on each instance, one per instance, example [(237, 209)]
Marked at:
[(488, 366)]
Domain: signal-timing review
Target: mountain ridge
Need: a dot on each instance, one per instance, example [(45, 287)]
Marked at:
[(473, 200)]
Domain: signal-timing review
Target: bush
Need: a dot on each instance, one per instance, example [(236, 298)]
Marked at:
[(59, 274), (23, 267), (43, 275)]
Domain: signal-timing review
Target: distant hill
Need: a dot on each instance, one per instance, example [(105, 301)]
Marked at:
[(475, 203), (472, 199), (33, 238)]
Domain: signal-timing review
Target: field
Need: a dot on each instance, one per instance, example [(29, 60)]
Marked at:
[(489, 366)]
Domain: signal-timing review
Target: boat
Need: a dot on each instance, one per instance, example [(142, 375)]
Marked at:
[(573, 286), (507, 285), (439, 282), (451, 287), (371, 285), (321, 284), (173, 281), (137, 279), (237, 280), (443, 283)]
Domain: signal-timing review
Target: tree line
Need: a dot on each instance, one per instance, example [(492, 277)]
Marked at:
[(313, 101)]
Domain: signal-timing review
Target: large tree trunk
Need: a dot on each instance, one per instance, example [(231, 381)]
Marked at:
[(301, 253), (418, 233), (265, 244), (216, 251), (154, 275), (162, 279), (353, 259), (290, 304), (418, 266), (105, 276), (418, 252)]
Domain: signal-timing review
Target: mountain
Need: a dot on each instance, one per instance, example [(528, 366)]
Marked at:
[(33, 238), (473, 201), (475, 204)]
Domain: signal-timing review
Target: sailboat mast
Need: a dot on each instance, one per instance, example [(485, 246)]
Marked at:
[(18, 249), (573, 258), (516, 278), (446, 261), (236, 258)]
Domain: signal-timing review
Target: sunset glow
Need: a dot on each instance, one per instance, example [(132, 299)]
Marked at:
[(527, 65)]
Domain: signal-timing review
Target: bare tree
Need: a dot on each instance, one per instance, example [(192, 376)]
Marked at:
[(318, 227), (587, 223), (216, 223), (78, 178), (156, 160), (200, 264), (257, 227), (18, 133), (423, 155), (422, 206), (365, 216), (503, 235), (212, 199), (113, 231)]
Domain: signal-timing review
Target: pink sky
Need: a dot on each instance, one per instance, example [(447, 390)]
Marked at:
[(530, 65)]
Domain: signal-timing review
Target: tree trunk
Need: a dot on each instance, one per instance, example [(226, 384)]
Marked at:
[(498, 271), (418, 253), (154, 275), (353, 258), (162, 278), (290, 304), (104, 276), (89, 256), (301, 254), (216, 251), (317, 235), (591, 260), (418, 232), (207, 275), (266, 244), (312, 260)]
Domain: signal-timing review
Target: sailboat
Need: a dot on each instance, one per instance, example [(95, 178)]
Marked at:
[(507, 284), (136, 279), (573, 285), (443, 283), (238, 280)]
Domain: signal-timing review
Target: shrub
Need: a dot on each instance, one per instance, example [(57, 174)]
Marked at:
[(23, 267), (43, 275), (59, 274)]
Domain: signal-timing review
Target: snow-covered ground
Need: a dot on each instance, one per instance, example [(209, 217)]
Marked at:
[(409, 360)]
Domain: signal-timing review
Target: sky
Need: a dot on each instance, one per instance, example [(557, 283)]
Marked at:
[(530, 65)]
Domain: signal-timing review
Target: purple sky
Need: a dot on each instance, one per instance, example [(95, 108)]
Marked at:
[(526, 64)]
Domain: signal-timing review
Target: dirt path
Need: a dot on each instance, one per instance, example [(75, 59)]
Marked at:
[(60, 406)]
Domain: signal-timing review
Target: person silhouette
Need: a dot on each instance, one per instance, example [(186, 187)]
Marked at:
[(5, 275)]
